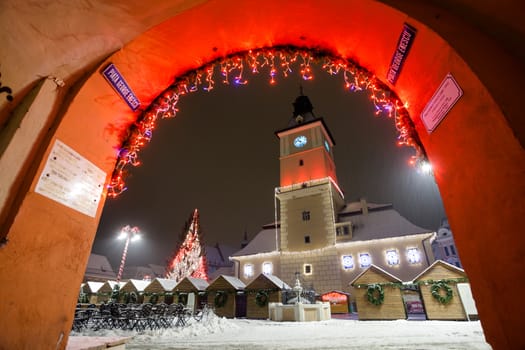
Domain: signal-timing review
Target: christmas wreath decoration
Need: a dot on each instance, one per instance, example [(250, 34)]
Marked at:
[(375, 294), (436, 292), (220, 298), (261, 298), (154, 298), (133, 298)]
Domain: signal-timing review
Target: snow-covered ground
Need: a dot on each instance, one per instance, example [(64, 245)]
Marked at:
[(220, 333)]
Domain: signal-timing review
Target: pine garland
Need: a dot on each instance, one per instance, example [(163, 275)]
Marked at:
[(383, 284), (418, 283), (266, 290), (444, 280)]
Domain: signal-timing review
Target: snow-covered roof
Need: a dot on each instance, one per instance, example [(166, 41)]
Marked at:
[(166, 283), (198, 283), (382, 222), (278, 282), (357, 207), (158, 270), (224, 270), (235, 282), (218, 255), (445, 265), (112, 284), (263, 242), (138, 272), (378, 269), (139, 285), (98, 266), (94, 286)]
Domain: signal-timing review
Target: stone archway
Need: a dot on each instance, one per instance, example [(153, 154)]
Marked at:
[(479, 163)]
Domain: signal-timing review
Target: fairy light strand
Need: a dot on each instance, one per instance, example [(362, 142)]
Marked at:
[(233, 70)]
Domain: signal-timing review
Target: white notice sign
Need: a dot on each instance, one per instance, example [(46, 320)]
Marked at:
[(72, 180), (440, 104)]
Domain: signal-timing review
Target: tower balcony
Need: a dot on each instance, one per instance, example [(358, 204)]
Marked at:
[(307, 188)]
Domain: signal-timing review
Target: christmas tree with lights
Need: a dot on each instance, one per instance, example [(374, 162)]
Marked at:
[(190, 259)]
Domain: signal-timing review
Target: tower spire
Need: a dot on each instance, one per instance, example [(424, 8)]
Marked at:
[(302, 109)]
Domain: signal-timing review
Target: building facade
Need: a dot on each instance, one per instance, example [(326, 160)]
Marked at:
[(318, 234), (444, 247)]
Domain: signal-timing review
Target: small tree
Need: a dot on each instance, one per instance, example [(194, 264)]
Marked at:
[(115, 294), (189, 260)]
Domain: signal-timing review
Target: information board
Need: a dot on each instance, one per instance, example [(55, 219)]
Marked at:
[(441, 102), (70, 179)]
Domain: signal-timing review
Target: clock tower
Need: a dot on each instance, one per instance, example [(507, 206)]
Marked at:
[(309, 195)]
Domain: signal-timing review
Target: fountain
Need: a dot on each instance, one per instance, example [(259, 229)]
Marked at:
[(299, 308)]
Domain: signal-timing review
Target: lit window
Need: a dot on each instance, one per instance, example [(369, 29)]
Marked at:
[(413, 255), (267, 268), (307, 269), (392, 257), (348, 262), (365, 260), (248, 270), (306, 215)]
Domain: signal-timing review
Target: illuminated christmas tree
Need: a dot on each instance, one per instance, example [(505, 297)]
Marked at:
[(189, 260)]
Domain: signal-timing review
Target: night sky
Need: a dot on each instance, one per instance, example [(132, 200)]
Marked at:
[(221, 156)]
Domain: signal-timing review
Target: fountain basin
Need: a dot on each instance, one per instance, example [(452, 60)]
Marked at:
[(299, 312)]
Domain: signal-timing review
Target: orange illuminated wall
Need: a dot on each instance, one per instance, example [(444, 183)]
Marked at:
[(310, 161), (315, 165), (477, 151)]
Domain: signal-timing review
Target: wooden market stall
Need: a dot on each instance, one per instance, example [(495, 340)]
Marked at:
[(339, 301), (104, 293), (378, 295), (191, 291), (438, 285), (131, 290), (261, 291), (92, 289), (160, 290), (227, 297)]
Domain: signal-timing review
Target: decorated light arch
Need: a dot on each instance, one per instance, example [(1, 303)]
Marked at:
[(281, 60)]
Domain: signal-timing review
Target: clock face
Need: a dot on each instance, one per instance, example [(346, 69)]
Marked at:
[(300, 141)]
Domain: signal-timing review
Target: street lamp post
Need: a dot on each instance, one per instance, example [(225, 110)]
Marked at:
[(130, 234)]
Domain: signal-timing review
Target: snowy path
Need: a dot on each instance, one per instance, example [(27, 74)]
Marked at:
[(219, 333)]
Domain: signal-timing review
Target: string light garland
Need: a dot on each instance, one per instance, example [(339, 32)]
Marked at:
[(277, 61)]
